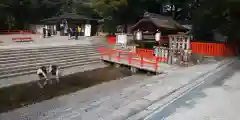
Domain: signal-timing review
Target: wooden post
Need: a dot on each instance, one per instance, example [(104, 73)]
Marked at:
[(133, 70), (111, 52), (156, 64), (188, 42), (141, 61), (118, 56), (162, 54), (166, 55), (130, 59), (170, 48)]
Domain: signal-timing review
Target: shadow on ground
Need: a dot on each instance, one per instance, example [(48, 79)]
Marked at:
[(235, 67), (21, 95)]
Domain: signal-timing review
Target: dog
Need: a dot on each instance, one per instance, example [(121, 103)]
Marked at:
[(47, 75), (42, 74), (54, 72)]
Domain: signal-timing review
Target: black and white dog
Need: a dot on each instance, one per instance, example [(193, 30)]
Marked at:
[(54, 72), (47, 75)]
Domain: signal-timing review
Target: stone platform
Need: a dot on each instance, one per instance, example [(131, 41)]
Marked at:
[(115, 100)]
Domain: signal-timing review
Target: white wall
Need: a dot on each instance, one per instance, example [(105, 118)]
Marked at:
[(87, 31)]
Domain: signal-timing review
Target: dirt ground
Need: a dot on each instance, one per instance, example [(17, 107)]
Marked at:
[(30, 93)]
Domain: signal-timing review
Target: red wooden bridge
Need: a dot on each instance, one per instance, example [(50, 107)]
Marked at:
[(135, 60)]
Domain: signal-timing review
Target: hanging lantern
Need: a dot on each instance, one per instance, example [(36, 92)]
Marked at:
[(139, 35), (158, 36)]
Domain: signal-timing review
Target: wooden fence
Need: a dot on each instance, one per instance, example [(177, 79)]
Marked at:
[(212, 49), (208, 49)]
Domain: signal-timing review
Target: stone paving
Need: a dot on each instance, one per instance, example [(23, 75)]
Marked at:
[(40, 42), (115, 100), (215, 99)]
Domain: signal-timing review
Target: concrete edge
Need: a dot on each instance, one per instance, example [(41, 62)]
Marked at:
[(35, 46), (158, 105)]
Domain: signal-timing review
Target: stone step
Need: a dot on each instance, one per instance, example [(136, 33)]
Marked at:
[(35, 66), (5, 51), (29, 63), (33, 60), (18, 62), (43, 47), (73, 64), (23, 52), (44, 55)]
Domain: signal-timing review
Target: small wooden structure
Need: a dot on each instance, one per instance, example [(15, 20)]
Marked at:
[(150, 24), (88, 25)]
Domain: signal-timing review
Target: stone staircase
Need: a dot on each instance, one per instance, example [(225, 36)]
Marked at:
[(17, 62)]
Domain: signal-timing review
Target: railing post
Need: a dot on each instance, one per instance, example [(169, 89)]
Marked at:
[(101, 53), (130, 59), (156, 64), (110, 54), (118, 56), (141, 61)]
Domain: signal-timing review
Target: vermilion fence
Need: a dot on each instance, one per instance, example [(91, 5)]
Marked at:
[(145, 52), (16, 32), (209, 49), (212, 49)]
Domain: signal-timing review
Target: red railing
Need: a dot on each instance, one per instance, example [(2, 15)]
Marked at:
[(16, 32), (130, 57), (145, 52), (211, 49)]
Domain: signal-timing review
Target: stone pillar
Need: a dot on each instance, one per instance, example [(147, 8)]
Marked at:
[(117, 65), (133, 70)]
